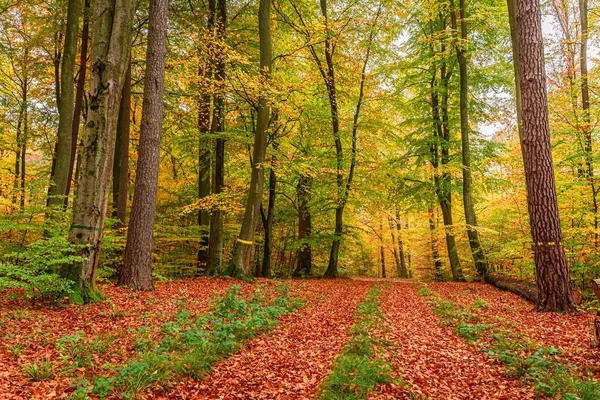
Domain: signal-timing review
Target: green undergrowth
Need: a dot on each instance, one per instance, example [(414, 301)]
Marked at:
[(522, 358), (361, 366), (190, 345)]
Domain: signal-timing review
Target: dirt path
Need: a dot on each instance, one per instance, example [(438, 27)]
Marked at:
[(292, 361), (432, 360)]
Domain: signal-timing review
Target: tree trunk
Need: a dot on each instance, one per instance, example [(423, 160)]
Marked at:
[(526, 290), (121, 161), (469, 206), (62, 156), (437, 263), (304, 257), (553, 280), (514, 39), (382, 250), (24, 137), (240, 264), (137, 265), (205, 75), (395, 250), (215, 239), (587, 123), (268, 224), (403, 266), (85, 33), (111, 43)]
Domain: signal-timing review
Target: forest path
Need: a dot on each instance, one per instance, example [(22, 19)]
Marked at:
[(432, 360), (294, 359)]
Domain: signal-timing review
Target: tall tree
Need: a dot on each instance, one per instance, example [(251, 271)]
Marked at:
[(469, 206), (240, 264), (304, 255), (79, 93), (111, 43), (62, 157), (137, 266), (216, 239), (552, 270)]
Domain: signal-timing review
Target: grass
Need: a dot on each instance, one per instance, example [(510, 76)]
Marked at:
[(360, 367), (191, 346), (39, 372)]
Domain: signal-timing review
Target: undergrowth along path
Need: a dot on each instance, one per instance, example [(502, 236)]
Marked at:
[(434, 362), (292, 361)]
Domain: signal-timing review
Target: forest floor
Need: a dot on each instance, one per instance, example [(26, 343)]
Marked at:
[(350, 339)]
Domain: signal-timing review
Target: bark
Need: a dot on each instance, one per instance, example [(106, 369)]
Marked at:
[(526, 290), (111, 43), (552, 270), (240, 264), (24, 137), (215, 240), (469, 206), (137, 266), (85, 33), (514, 40), (121, 161), (304, 254), (403, 266), (437, 263), (266, 271), (442, 179), (62, 155), (205, 74), (395, 250), (382, 249)]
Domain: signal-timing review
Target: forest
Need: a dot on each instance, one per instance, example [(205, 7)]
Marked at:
[(290, 199)]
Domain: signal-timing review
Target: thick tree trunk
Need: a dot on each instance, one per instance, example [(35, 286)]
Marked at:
[(137, 266), (395, 250), (240, 264), (111, 43), (85, 34), (469, 206), (304, 255), (62, 156), (553, 280), (403, 266), (121, 161), (216, 240)]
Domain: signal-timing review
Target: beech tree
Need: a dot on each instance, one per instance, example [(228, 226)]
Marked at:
[(240, 264), (111, 41), (552, 270)]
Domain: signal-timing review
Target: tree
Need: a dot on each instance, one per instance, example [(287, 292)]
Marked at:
[(62, 157), (552, 270), (137, 266), (121, 161), (111, 43), (240, 264), (469, 206)]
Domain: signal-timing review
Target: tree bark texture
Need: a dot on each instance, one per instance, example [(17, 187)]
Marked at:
[(121, 161), (553, 279), (62, 156), (85, 34), (111, 43), (216, 239), (528, 291), (304, 255), (137, 266), (266, 270), (243, 245)]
